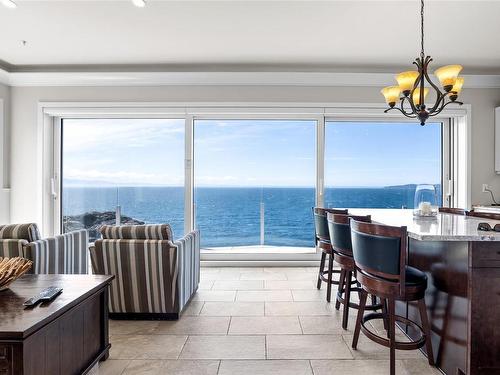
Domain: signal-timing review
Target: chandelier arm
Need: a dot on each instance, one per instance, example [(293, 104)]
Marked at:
[(440, 95), (440, 100), (444, 105), (410, 96), (402, 111)]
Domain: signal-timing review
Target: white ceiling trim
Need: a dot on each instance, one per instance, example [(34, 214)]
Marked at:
[(216, 79)]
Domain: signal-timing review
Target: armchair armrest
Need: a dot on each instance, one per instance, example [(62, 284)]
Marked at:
[(62, 254), (188, 260), (10, 248)]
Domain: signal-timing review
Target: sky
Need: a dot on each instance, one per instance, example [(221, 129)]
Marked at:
[(251, 153)]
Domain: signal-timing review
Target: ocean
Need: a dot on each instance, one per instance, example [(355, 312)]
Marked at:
[(231, 216)]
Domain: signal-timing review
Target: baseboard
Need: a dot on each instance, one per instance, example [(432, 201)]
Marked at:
[(259, 263), (144, 316)]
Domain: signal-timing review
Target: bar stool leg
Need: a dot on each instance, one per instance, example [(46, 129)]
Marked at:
[(384, 311), (321, 268), (361, 311), (427, 330), (330, 274), (347, 299), (392, 335), (341, 288)]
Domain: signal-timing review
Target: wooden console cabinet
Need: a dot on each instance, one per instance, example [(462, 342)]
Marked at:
[(66, 336)]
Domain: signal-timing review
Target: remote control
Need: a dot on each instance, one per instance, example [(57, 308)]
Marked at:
[(45, 295)]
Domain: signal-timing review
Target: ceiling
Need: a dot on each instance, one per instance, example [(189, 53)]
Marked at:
[(344, 36)]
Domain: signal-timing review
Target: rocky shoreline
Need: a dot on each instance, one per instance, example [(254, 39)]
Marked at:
[(93, 220)]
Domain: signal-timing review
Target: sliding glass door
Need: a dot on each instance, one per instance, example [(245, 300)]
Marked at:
[(122, 171), (379, 164), (254, 183), (250, 182)]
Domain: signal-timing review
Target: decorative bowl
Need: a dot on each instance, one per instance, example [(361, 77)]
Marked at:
[(11, 269)]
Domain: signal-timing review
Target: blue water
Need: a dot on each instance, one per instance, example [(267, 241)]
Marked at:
[(231, 216)]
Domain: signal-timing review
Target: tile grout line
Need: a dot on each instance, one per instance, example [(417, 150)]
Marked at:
[(311, 366), (128, 364), (300, 324), (183, 346), (265, 347), (229, 325), (351, 350)]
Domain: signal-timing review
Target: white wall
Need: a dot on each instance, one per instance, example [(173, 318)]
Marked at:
[(24, 133), (4, 153)]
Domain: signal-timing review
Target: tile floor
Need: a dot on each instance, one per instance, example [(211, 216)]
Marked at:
[(252, 321)]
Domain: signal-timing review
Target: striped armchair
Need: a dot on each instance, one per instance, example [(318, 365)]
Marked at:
[(63, 254), (155, 276)]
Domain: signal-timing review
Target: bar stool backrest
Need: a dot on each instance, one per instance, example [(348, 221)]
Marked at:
[(340, 231), (320, 223), (379, 251)]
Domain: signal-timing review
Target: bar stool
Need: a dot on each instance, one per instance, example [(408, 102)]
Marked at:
[(340, 238), (322, 237), (380, 255)]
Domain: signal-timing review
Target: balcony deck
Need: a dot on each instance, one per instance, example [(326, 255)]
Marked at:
[(259, 249)]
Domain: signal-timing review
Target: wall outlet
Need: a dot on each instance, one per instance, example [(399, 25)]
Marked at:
[(485, 188)]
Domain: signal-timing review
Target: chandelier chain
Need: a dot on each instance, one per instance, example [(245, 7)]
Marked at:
[(422, 28)]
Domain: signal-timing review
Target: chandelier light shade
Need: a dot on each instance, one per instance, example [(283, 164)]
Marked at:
[(457, 88), (414, 85), (416, 95), (391, 95), (448, 75), (406, 81)]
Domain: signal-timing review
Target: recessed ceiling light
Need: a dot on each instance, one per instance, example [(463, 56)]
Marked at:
[(9, 3), (139, 3)]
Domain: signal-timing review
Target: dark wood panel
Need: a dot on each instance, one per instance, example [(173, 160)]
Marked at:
[(92, 323), (52, 348), (446, 266), (71, 348), (485, 322), (8, 363), (485, 254), (463, 299), (34, 354)]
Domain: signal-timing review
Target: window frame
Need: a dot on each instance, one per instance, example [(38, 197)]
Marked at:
[(446, 159), (317, 119), (457, 123)]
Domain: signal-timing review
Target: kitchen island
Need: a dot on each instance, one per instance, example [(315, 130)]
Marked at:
[(463, 293)]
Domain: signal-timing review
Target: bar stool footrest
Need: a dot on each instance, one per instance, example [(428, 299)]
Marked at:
[(324, 276), (401, 345)]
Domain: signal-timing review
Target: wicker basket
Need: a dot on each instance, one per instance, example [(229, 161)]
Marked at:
[(11, 269)]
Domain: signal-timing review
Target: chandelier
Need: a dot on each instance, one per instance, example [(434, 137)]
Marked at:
[(412, 86)]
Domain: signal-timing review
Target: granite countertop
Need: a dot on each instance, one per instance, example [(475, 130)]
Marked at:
[(444, 227)]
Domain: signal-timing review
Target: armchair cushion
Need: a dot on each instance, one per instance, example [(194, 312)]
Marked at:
[(137, 232), (63, 254), (28, 232)]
